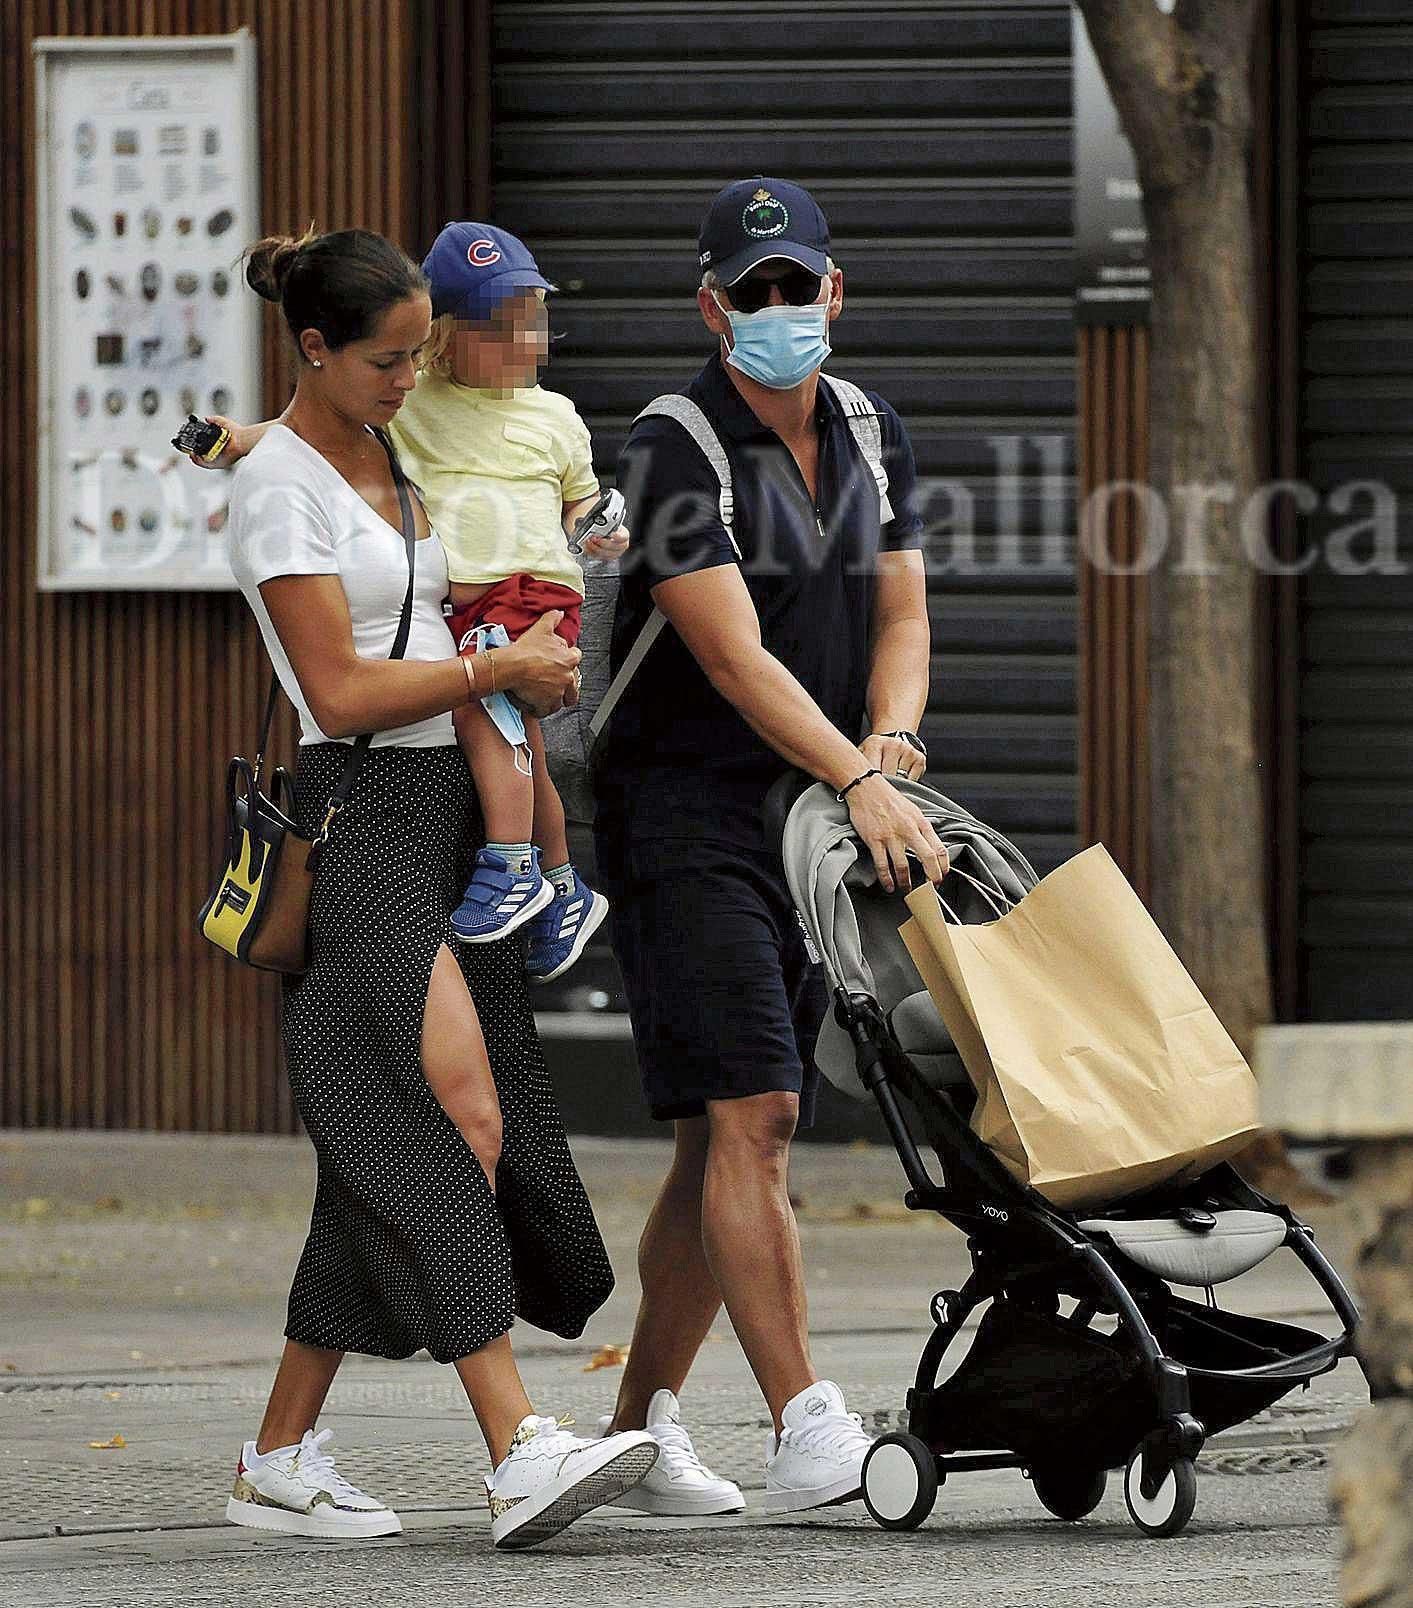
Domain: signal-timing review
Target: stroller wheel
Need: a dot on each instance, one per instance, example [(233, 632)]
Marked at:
[(900, 1481), (1169, 1509), (1069, 1490)]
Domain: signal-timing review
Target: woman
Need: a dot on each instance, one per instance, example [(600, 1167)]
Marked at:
[(447, 1200)]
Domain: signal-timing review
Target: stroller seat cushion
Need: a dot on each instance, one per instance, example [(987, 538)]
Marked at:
[(1163, 1246), (923, 1037)]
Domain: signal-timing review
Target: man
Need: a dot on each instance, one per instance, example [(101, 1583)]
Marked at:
[(794, 631)]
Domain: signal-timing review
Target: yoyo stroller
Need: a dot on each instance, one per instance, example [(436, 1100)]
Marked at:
[(1086, 1359)]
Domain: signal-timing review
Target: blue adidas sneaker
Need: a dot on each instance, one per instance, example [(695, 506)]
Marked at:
[(560, 931), (498, 900)]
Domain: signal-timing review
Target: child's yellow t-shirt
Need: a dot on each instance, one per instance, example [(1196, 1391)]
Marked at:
[(495, 469)]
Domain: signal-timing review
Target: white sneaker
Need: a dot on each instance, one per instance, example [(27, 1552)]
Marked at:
[(550, 1478), (298, 1490), (679, 1484), (820, 1456)]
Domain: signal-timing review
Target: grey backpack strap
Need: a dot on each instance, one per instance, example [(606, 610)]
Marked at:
[(867, 433), (651, 631), (698, 426)]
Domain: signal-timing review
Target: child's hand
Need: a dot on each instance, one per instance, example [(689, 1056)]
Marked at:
[(614, 545)]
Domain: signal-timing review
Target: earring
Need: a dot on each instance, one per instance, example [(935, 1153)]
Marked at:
[(317, 363)]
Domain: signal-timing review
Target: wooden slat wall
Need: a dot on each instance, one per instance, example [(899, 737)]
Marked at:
[(1113, 608), (120, 709)]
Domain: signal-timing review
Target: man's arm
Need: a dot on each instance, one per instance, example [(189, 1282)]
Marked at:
[(711, 610), (898, 664)]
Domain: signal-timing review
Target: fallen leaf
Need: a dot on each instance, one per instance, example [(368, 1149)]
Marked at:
[(37, 1206), (108, 1203), (607, 1357), (9, 1367), (113, 1395), (115, 1445), (135, 1355)]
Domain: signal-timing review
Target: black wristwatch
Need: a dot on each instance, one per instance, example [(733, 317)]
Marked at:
[(910, 737)]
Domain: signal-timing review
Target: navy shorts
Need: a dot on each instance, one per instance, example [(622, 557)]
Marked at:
[(724, 996)]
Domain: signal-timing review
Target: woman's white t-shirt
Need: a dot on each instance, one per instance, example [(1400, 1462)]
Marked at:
[(293, 513)]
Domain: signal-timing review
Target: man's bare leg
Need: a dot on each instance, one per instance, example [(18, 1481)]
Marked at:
[(752, 1242), (679, 1300)]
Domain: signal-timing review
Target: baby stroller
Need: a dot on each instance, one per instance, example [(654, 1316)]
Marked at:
[(1086, 1359)]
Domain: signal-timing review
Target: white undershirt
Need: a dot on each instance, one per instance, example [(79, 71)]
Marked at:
[(293, 513)]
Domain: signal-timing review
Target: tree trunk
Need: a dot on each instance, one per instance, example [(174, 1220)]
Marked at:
[(1181, 85)]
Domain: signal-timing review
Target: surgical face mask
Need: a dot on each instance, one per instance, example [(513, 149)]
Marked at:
[(779, 346)]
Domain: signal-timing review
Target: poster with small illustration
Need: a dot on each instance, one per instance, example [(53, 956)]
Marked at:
[(148, 188)]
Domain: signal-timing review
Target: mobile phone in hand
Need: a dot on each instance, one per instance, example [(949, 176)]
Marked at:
[(602, 519), (201, 439)]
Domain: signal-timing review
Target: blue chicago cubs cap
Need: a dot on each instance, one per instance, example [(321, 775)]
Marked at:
[(473, 266), (754, 220)]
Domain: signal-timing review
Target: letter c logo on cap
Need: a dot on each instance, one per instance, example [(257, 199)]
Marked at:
[(482, 253)]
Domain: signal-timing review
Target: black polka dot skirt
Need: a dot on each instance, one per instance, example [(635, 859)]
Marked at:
[(408, 1248)]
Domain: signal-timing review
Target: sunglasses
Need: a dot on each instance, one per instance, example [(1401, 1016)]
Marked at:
[(799, 287)]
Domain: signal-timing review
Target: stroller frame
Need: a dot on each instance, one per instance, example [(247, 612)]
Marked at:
[(1024, 1250)]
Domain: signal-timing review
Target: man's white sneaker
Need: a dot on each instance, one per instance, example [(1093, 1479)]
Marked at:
[(679, 1484), (820, 1456), (298, 1490), (550, 1478)]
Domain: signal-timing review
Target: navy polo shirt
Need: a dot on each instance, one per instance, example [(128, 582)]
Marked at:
[(679, 761)]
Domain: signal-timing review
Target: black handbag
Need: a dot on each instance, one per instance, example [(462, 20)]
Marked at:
[(259, 910)]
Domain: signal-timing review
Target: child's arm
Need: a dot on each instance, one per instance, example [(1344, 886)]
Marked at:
[(243, 438), (614, 545)]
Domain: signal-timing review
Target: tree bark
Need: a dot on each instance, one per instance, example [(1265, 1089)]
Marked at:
[(1181, 86)]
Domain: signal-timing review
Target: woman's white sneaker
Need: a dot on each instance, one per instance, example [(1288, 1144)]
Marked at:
[(298, 1490), (550, 1478), (819, 1458), (679, 1484)]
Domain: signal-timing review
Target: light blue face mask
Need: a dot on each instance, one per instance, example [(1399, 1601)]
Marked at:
[(504, 715), (779, 346)]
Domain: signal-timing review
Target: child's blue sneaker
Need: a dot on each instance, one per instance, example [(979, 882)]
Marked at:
[(498, 900), (558, 934)]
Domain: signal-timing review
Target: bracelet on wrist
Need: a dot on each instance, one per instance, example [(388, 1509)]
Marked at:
[(488, 654), (468, 664), (844, 791)]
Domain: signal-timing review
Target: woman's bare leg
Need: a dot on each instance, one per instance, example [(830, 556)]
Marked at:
[(297, 1397), (496, 1392)]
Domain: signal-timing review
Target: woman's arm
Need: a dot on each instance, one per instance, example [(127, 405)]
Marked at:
[(712, 612), (348, 694), (244, 437)]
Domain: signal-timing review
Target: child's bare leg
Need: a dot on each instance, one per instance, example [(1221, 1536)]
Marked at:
[(507, 795), (549, 833)]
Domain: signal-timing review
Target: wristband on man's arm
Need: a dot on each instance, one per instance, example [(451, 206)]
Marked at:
[(844, 791)]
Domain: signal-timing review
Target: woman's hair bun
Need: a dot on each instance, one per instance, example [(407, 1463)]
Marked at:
[(269, 261)]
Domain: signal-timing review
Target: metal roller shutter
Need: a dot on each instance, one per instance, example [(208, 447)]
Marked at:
[(1356, 690)]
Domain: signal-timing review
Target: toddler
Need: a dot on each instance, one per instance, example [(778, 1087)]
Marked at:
[(507, 470)]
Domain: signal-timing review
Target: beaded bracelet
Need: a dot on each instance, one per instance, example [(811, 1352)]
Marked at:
[(844, 791)]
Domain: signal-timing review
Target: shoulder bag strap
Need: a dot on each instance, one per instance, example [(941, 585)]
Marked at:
[(339, 796)]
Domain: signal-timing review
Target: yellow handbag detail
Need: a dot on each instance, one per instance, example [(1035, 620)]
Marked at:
[(258, 911)]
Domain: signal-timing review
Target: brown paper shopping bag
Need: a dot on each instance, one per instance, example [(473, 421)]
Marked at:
[(1100, 1069)]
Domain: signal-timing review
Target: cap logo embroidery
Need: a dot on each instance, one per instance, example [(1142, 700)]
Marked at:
[(765, 217), (482, 253)]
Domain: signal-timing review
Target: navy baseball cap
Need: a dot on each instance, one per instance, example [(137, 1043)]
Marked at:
[(473, 266), (755, 220)]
